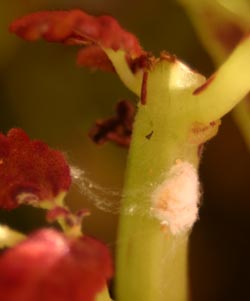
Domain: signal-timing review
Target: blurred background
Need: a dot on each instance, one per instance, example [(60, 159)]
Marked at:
[(45, 93)]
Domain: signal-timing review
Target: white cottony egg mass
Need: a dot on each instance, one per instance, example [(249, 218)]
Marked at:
[(175, 201)]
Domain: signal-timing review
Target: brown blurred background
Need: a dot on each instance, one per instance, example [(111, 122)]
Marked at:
[(43, 92)]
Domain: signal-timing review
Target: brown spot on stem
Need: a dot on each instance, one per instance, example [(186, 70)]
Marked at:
[(212, 123), (148, 136), (201, 133), (118, 128), (200, 128), (227, 32), (144, 88), (200, 150), (204, 86)]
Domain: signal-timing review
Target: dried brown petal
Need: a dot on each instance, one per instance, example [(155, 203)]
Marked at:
[(117, 129)]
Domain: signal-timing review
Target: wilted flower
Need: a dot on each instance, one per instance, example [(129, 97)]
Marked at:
[(117, 128)]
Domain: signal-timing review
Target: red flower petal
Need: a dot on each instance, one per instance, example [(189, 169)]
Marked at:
[(77, 27), (30, 170), (51, 267), (94, 57)]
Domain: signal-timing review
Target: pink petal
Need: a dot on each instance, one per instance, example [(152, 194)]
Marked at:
[(48, 266)]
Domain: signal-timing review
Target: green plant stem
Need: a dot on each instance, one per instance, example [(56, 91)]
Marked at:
[(181, 113), (152, 263), (226, 15), (230, 84)]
